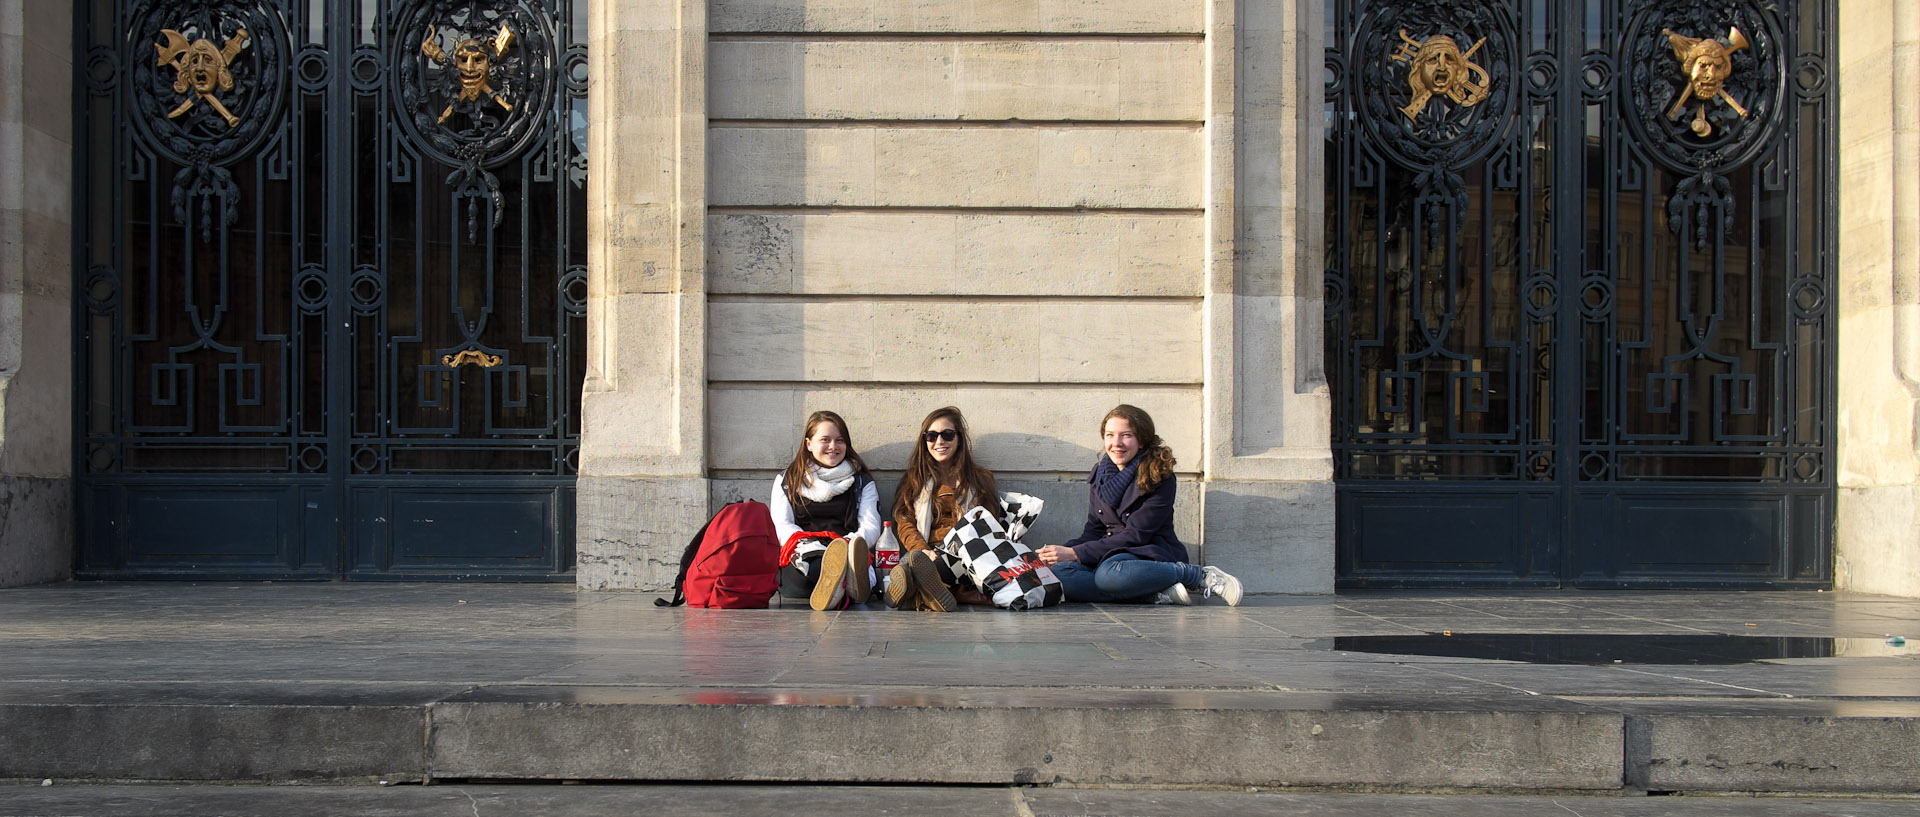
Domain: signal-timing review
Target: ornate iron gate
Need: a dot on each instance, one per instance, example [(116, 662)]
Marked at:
[(1580, 263), (330, 313)]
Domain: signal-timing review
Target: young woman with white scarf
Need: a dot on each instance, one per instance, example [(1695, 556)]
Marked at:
[(826, 512)]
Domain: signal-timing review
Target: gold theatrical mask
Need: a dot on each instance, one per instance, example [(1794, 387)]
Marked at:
[(1437, 68), (1707, 68), (472, 61), (200, 70)]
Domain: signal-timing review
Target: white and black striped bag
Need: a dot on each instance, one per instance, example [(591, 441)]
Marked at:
[(1005, 570)]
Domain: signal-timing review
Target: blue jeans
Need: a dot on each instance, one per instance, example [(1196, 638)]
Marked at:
[(1123, 577)]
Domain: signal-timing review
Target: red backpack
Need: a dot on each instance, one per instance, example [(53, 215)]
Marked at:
[(732, 562)]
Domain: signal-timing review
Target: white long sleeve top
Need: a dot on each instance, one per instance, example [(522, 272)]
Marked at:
[(785, 528)]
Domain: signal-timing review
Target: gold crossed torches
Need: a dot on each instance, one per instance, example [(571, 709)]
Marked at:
[(473, 61), (1437, 68), (1707, 67), (200, 70)]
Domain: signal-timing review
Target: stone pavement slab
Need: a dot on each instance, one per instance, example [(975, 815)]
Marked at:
[(925, 801), (336, 681)]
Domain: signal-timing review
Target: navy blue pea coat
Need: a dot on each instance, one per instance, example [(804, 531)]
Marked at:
[(1142, 524)]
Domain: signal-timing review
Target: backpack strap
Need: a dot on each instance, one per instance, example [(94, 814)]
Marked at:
[(686, 563)]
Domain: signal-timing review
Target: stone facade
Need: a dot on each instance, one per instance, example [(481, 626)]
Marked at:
[(1031, 209), (36, 125), (1877, 529)]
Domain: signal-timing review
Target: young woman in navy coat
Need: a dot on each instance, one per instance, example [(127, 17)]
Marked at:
[(1128, 551)]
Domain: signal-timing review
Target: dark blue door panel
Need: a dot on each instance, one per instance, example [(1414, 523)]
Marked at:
[(1464, 534), (206, 529), (432, 530), (1706, 536)]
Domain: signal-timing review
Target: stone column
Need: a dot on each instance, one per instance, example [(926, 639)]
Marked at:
[(36, 116), (642, 488), (1269, 491), (1877, 527), (36, 152)]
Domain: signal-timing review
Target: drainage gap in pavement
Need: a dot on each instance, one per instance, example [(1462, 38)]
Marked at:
[(1612, 648)]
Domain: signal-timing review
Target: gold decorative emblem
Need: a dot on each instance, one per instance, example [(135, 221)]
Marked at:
[(1707, 67), (467, 356), (200, 70), (1437, 68), (472, 61)]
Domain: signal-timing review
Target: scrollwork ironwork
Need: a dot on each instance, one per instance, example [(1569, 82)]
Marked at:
[(1545, 353), (1726, 62), (476, 86), (207, 86), (1427, 104)]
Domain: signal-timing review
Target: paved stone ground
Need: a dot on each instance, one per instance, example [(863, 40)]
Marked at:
[(336, 681), (792, 801), (455, 637)]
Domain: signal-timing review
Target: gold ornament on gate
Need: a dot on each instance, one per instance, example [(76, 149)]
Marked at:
[(1437, 68), (466, 356), (472, 60), (200, 70), (1707, 66)]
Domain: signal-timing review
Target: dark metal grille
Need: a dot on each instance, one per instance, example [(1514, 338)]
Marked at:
[(333, 292), (1577, 300)]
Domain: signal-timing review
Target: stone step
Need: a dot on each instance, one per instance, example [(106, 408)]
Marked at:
[(418, 732), (787, 799)]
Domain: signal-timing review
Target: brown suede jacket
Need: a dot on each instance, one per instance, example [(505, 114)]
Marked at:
[(943, 508)]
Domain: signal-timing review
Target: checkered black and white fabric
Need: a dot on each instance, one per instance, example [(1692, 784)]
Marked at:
[(1005, 570), (1021, 510)]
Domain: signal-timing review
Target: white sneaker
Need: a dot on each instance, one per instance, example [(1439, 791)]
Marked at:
[(1177, 594), (1220, 583)]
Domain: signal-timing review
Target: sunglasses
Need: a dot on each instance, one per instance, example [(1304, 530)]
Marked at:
[(948, 435)]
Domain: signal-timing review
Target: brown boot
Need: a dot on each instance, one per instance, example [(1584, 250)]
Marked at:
[(926, 580), (968, 595), (902, 591)]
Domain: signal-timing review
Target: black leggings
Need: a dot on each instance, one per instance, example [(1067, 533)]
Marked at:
[(797, 585)]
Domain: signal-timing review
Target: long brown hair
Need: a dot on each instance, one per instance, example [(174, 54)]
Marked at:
[(797, 475), (959, 469), (1156, 459)]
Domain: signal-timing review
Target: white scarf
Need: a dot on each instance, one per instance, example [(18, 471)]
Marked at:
[(923, 511), (827, 483)]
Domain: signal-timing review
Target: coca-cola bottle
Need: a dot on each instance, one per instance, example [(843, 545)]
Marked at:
[(885, 555)]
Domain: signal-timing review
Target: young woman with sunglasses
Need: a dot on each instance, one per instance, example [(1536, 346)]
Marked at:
[(941, 484), (826, 511), (1128, 551)]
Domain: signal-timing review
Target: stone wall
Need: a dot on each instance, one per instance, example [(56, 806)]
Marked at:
[(1030, 210), (973, 205), (36, 115), (1877, 530)]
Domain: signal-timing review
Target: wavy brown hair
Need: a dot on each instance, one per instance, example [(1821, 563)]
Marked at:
[(797, 475), (959, 470), (1156, 459)]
